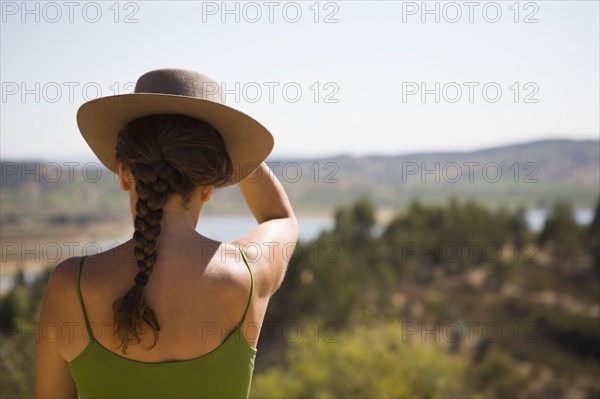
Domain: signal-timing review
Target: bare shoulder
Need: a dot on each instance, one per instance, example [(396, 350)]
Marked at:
[(63, 276), (226, 274), (60, 292), (235, 271)]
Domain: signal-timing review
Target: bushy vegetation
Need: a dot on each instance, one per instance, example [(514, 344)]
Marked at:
[(363, 281), (19, 311), (375, 360), (578, 334), (338, 325)]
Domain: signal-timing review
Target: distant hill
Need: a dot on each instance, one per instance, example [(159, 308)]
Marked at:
[(532, 174)]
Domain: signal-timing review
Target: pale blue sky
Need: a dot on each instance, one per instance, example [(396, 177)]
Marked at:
[(369, 57)]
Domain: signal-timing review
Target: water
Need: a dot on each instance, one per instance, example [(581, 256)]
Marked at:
[(536, 217), (228, 228)]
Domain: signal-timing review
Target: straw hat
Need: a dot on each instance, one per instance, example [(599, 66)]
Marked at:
[(181, 92)]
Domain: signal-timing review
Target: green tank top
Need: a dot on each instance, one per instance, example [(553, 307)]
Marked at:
[(225, 372)]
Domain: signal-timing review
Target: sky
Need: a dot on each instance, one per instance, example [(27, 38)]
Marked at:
[(326, 78)]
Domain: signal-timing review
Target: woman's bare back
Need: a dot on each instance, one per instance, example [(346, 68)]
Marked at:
[(199, 290)]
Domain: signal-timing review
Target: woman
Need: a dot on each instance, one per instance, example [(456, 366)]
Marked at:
[(169, 313)]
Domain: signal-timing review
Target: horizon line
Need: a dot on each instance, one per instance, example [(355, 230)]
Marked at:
[(347, 155)]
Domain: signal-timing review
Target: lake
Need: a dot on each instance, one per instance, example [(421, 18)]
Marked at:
[(228, 228)]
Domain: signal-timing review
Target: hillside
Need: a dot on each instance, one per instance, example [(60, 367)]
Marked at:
[(530, 174), (469, 293)]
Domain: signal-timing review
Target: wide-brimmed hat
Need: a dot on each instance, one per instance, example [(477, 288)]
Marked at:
[(179, 92)]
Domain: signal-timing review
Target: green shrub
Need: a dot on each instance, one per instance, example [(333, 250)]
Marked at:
[(497, 376), (578, 334), (369, 361)]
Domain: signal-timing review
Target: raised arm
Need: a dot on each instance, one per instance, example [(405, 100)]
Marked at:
[(270, 245)]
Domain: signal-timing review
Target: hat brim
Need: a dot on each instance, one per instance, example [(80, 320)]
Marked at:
[(248, 142)]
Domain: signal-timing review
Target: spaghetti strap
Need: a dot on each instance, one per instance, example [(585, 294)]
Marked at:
[(77, 284), (251, 287)]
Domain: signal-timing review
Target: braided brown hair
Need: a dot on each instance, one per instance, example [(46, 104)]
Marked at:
[(166, 154)]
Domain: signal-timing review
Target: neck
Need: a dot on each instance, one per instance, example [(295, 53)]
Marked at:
[(178, 220), (177, 230)]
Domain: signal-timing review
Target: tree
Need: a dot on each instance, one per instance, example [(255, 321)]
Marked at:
[(562, 234), (354, 225), (593, 233)]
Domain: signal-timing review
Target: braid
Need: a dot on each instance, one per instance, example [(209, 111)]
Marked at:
[(152, 187), (153, 191), (167, 155)]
